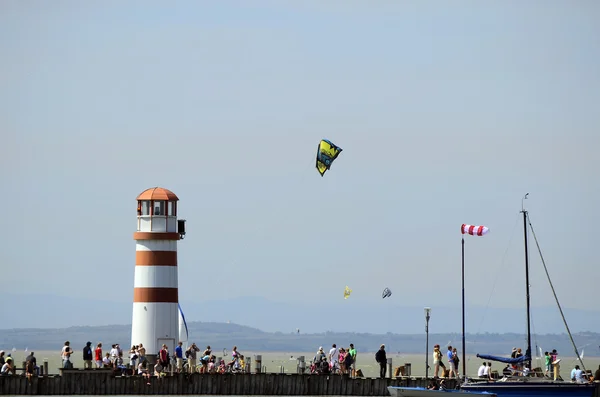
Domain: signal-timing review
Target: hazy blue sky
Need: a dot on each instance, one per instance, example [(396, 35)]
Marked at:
[(448, 113)]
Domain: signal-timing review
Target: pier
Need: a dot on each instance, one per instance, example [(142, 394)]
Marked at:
[(101, 382)]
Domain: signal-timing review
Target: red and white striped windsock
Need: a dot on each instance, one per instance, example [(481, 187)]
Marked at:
[(474, 230)]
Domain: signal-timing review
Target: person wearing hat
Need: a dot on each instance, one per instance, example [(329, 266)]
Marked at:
[(87, 356), (381, 358), (513, 354), (319, 356)]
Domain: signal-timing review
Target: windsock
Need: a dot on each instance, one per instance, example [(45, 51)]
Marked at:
[(474, 230)]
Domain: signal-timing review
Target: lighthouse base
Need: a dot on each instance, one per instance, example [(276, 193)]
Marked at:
[(153, 325)]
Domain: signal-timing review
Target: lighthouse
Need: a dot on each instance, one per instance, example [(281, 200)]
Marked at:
[(155, 294)]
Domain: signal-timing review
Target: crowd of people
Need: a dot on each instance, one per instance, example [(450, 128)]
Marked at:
[(438, 362), (8, 368), (335, 361), (178, 361)]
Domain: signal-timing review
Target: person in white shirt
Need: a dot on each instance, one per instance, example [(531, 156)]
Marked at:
[(333, 357), (573, 372), (65, 354), (577, 375), (106, 363), (114, 353), (7, 367), (158, 369), (481, 372), (488, 370)]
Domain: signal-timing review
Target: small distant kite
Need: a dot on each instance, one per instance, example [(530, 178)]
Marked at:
[(386, 293), (474, 230), (347, 292), (327, 152)]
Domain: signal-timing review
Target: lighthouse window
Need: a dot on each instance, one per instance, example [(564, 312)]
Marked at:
[(145, 208), (159, 208), (171, 207)]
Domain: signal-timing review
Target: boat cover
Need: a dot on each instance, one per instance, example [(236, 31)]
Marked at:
[(507, 360)]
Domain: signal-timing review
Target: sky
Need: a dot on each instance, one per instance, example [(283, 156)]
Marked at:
[(447, 113)]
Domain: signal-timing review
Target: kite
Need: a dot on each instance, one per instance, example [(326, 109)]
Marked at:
[(327, 152), (347, 292), (474, 230), (386, 293)]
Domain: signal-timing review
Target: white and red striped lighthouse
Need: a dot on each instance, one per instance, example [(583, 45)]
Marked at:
[(155, 294)]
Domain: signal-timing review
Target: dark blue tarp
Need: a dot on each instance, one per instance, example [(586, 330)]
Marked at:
[(506, 360)]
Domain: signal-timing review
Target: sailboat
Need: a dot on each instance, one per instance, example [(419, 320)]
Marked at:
[(523, 386), (183, 329)]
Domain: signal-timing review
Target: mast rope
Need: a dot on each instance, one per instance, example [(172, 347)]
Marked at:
[(498, 271), (555, 296)]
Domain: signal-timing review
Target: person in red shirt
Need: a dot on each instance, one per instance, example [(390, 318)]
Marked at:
[(163, 356), (98, 355)]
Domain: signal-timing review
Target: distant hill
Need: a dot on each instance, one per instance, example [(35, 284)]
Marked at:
[(223, 335), (379, 316)]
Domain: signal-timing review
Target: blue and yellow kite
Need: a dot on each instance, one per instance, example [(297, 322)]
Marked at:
[(327, 152)]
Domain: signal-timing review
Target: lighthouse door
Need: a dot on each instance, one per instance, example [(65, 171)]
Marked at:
[(170, 342)]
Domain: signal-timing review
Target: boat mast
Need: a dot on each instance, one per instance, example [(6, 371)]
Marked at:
[(528, 351)]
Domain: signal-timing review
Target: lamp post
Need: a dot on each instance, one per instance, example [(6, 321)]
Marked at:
[(427, 316)]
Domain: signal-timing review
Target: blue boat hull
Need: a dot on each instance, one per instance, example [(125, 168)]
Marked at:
[(532, 389), (399, 391)]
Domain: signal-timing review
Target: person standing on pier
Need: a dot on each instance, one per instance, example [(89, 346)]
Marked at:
[(66, 355), (179, 356), (352, 352), (381, 358), (133, 357), (98, 355), (114, 353), (163, 356), (555, 364), (333, 359), (30, 366), (437, 361), (192, 352), (141, 352), (452, 372), (87, 356), (456, 361)]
